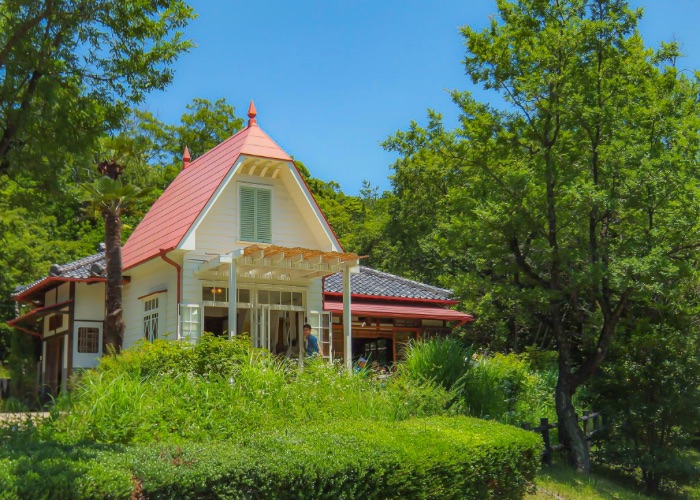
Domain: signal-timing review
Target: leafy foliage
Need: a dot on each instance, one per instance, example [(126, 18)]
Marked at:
[(505, 388), (440, 360), (221, 419), (70, 68), (650, 391), (575, 200), (173, 391)]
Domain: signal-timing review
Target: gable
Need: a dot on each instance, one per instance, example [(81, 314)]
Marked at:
[(174, 217), (226, 225)]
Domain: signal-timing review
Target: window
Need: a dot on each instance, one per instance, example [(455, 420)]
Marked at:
[(150, 319), (214, 294), (190, 322), (256, 214), (88, 340), (55, 322)]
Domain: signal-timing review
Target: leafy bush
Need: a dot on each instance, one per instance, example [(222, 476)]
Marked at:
[(176, 392), (439, 360), (649, 390), (220, 419), (505, 388), (437, 457)]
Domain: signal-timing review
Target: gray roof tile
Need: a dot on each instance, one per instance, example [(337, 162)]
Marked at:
[(78, 269), (372, 282)]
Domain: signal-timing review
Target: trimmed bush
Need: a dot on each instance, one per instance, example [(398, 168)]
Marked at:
[(437, 457)]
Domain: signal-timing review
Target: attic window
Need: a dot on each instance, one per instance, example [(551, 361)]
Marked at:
[(255, 214)]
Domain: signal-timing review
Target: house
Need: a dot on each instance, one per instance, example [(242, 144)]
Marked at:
[(236, 243)]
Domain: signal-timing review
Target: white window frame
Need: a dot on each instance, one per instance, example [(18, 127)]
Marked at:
[(148, 314), (151, 317), (254, 185), (189, 328)]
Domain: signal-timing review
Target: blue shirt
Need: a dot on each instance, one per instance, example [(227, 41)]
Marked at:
[(311, 345)]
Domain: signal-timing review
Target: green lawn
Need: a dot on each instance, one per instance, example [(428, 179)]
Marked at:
[(560, 482)]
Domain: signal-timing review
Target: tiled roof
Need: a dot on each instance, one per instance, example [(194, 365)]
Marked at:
[(170, 217), (380, 284), (87, 267)]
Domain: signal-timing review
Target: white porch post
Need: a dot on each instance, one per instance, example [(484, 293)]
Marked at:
[(232, 297), (347, 318)]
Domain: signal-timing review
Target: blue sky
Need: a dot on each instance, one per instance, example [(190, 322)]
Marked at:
[(332, 79)]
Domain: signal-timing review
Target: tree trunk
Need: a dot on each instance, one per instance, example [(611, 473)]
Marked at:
[(114, 323), (570, 433)]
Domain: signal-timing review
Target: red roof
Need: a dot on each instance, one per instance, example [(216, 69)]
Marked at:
[(168, 220), (400, 311)]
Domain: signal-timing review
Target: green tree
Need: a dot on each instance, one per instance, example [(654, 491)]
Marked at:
[(109, 197), (69, 68), (579, 196), (649, 390)]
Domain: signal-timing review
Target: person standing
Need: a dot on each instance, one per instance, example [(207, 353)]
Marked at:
[(310, 341)]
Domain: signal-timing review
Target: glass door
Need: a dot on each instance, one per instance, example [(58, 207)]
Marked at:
[(261, 327), (321, 327)]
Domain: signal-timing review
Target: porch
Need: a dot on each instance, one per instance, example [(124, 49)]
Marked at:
[(277, 291)]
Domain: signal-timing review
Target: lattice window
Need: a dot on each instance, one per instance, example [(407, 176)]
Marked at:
[(150, 319), (88, 340)]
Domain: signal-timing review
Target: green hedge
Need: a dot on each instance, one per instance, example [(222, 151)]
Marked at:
[(437, 457)]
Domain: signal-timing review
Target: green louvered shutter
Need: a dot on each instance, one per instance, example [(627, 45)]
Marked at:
[(256, 214), (263, 215), (247, 213)]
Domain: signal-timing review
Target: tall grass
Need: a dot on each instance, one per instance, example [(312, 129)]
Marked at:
[(506, 388), (220, 388), (441, 360)]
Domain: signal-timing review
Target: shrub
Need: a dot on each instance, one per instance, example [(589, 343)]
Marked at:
[(649, 390), (437, 457), (504, 388), (223, 388), (439, 360), (228, 421)]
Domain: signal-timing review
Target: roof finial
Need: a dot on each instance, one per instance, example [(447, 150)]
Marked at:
[(252, 113), (186, 158)]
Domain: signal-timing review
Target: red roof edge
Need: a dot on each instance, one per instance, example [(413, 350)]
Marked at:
[(34, 312), (318, 206), (22, 296)]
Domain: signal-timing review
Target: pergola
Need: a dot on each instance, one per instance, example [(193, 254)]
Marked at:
[(272, 262)]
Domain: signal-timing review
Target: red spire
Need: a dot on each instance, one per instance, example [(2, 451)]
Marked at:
[(252, 113), (186, 158)]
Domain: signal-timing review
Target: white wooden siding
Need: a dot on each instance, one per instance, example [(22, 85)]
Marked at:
[(314, 295), (89, 301), (218, 231), (84, 359), (149, 277)]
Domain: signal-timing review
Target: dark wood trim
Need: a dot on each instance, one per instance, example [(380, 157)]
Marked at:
[(71, 328), (55, 336), (152, 293)]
